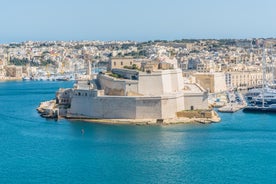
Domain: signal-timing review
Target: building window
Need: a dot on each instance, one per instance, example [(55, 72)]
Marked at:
[(130, 63), (114, 63), (122, 63)]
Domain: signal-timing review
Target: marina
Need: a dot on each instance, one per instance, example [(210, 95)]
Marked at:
[(262, 100), (234, 101)]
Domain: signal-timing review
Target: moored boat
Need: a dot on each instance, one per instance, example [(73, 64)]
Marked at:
[(26, 78), (262, 109)]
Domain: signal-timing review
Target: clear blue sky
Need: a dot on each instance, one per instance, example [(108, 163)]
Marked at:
[(139, 20)]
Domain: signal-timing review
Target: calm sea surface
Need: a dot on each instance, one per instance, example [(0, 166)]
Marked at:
[(240, 149)]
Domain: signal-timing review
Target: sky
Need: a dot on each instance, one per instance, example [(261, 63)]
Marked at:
[(137, 20)]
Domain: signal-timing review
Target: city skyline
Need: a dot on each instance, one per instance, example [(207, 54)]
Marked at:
[(137, 20)]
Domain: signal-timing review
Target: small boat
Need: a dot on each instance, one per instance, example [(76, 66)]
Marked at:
[(26, 78), (62, 79)]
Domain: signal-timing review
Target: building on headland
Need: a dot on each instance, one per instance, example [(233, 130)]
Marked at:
[(158, 94)]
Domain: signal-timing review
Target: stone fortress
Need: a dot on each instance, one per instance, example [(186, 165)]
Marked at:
[(150, 94)]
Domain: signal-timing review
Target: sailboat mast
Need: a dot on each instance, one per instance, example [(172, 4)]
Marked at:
[(273, 65), (264, 75)]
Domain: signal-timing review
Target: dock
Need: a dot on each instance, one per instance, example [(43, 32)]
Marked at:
[(231, 108)]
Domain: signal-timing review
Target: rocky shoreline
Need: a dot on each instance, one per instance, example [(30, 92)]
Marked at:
[(48, 109)]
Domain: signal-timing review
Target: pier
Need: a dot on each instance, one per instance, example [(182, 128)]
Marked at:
[(235, 103), (231, 108)]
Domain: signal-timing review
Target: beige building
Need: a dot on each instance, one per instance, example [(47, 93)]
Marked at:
[(124, 62), (208, 67), (246, 79), (13, 71), (213, 82)]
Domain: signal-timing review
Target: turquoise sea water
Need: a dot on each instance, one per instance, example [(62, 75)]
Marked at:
[(240, 149)]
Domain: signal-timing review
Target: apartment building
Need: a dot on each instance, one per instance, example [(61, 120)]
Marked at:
[(246, 79)]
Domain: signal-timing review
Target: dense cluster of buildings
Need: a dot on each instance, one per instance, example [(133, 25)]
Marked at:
[(216, 65)]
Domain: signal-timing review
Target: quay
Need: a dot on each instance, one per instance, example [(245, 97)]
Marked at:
[(231, 108), (235, 102)]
